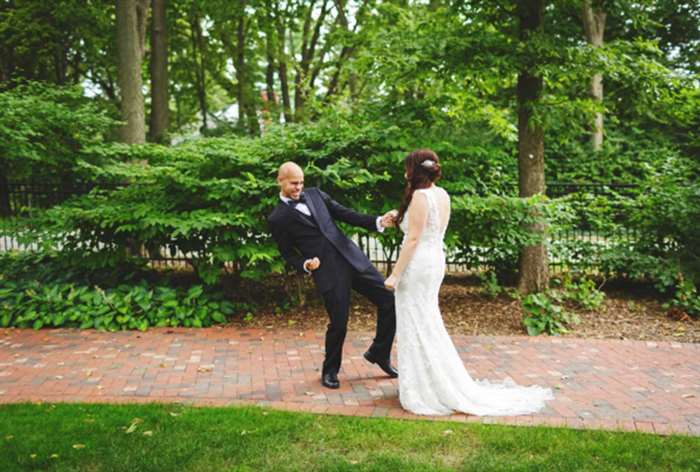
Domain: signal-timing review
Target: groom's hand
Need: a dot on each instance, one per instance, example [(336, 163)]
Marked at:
[(312, 264), (389, 219), (390, 283)]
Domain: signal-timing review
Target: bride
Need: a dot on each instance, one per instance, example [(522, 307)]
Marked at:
[(432, 378)]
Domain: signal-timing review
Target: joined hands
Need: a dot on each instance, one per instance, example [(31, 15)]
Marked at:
[(390, 283), (312, 264), (389, 218)]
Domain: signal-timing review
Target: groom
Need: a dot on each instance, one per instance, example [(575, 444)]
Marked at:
[(303, 225)]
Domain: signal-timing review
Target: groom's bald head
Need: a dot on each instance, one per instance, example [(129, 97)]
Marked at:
[(289, 169), (290, 178)]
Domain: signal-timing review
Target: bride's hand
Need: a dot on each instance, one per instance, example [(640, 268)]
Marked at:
[(389, 218), (390, 283)]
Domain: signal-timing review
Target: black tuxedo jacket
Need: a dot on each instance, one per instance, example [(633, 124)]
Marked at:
[(300, 238)]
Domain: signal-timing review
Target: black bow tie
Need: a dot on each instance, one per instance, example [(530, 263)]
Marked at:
[(294, 203)]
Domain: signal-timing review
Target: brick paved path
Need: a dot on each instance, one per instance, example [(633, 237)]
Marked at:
[(629, 385)]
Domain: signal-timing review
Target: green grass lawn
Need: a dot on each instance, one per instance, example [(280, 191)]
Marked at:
[(176, 438)]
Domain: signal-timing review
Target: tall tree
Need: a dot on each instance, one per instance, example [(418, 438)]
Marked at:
[(235, 28), (247, 115), (198, 54), (594, 27), (311, 33), (131, 32), (160, 111), (347, 49), (272, 108), (307, 42), (533, 259), (56, 42), (282, 61)]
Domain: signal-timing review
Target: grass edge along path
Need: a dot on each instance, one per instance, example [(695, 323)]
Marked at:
[(167, 437)]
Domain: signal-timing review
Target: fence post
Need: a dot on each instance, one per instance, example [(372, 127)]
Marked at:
[(4, 196)]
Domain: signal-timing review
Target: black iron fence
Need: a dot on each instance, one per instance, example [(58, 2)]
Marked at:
[(578, 246), (560, 189), (16, 198), (583, 244)]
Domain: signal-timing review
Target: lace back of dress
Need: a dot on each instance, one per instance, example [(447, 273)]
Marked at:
[(432, 230)]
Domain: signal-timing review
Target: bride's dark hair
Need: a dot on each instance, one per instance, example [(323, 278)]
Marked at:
[(420, 173)]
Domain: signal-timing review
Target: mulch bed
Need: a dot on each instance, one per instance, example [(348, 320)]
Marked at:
[(629, 312)]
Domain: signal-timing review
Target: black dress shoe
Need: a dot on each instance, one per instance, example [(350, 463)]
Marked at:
[(383, 364), (330, 381)]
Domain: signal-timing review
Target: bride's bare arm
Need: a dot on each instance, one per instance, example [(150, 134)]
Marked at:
[(417, 219)]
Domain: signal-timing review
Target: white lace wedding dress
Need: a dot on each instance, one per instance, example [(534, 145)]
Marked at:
[(432, 377)]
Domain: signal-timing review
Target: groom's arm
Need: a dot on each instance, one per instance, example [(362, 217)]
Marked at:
[(289, 253), (339, 212)]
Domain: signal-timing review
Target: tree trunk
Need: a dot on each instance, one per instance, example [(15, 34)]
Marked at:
[(282, 66), (239, 64), (284, 87), (533, 274), (299, 76), (302, 79), (594, 27), (271, 108), (159, 73), (346, 52), (107, 85), (247, 116), (199, 70), (60, 66), (178, 108), (131, 30)]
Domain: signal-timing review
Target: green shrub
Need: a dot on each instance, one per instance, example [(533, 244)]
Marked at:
[(686, 298), (49, 289), (543, 314), (36, 305), (209, 198), (45, 130), (490, 231), (490, 286), (583, 293)]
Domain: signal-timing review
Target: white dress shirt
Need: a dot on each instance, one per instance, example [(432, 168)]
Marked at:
[(299, 206), (305, 210)]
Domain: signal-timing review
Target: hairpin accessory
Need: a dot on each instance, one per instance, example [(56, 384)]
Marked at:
[(428, 163)]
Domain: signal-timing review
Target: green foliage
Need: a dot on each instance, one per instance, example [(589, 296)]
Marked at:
[(30, 304), (666, 247), (543, 314), (666, 215), (63, 42), (209, 198), (583, 293), (552, 312), (49, 267), (647, 232), (490, 286), (686, 298), (404, 75), (45, 130), (490, 231), (54, 289)]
